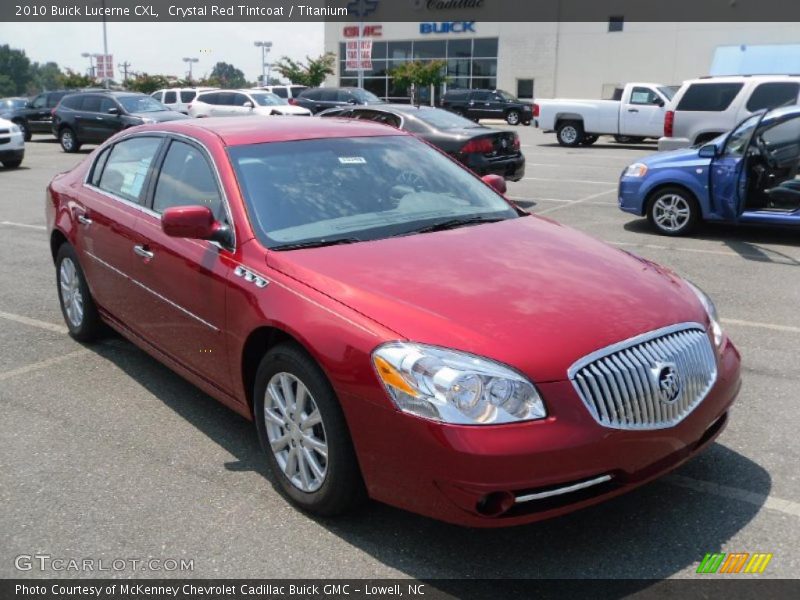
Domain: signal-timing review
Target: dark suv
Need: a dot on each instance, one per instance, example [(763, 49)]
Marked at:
[(93, 117), (488, 104), (34, 116), (317, 99)]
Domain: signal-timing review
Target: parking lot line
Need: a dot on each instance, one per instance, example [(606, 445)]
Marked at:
[(561, 180), (33, 322), (25, 225), (43, 364), (751, 255), (573, 203), (772, 326), (787, 507)]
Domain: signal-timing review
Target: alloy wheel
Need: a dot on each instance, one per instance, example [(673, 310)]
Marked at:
[(569, 134), (67, 139), (71, 295), (671, 212), (513, 118), (296, 432)]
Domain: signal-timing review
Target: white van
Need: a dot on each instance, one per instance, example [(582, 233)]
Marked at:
[(178, 98), (232, 103), (707, 107)]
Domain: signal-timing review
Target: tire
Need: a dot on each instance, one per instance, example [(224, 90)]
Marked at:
[(588, 140), (68, 140), (12, 164), (513, 117), (570, 133), (628, 139), (673, 211), (77, 306), (26, 132), (335, 486)]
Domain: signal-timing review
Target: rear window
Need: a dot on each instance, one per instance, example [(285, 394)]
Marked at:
[(709, 97), (773, 95), (442, 119)]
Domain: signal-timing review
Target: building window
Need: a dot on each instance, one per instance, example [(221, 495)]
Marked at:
[(525, 88), (615, 23)]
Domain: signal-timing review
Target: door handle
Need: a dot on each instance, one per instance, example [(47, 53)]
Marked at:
[(142, 251), (84, 220), (99, 118), (633, 110)]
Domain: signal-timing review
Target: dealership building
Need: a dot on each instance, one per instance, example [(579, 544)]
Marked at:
[(548, 59)]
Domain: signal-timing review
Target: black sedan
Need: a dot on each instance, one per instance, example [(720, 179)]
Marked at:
[(482, 149)]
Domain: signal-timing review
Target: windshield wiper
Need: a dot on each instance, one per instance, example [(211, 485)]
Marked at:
[(316, 244), (453, 224)]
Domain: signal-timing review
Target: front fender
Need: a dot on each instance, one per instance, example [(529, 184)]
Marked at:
[(696, 183)]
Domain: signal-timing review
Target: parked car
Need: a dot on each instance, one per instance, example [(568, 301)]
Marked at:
[(287, 92), (35, 116), (747, 176), (318, 99), (12, 103), (233, 103), (93, 117), (393, 325), (707, 107), (481, 149), (636, 116), (12, 144), (487, 104), (178, 98)]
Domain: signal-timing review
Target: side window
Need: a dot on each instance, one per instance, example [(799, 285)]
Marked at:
[(106, 104), (91, 104), (72, 102), (157, 95), (328, 95), (313, 95), (187, 96), (54, 99), (773, 95), (126, 168), (280, 92), (481, 96), (186, 179), (709, 97), (642, 95), (170, 97), (783, 135), (209, 98), (40, 101), (224, 99), (241, 99), (99, 164)]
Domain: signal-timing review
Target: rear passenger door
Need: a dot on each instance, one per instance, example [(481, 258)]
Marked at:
[(479, 105), (180, 305)]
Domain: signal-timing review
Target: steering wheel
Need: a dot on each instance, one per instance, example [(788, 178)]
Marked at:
[(763, 148)]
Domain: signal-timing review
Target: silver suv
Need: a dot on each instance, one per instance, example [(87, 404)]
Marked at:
[(704, 108)]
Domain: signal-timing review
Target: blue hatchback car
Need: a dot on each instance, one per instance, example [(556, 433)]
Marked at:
[(749, 175)]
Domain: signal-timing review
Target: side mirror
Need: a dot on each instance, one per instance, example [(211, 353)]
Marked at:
[(659, 103), (248, 104), (194, 222), (352, 101), (497, 183), (708, 151), (113, 110)]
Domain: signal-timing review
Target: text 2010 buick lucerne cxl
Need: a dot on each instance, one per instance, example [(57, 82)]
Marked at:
[(393, 325)]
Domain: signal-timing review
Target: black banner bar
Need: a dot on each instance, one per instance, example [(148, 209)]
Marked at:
[(398, 10)]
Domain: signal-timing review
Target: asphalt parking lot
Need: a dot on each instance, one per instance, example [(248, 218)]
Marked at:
[(104, 453)]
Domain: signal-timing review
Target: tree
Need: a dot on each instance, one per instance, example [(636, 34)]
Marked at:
[(227, 76), (47, 76), (15, 66), (419, 74), (312, 73), (7, 87), (147, 84), (71, 79)]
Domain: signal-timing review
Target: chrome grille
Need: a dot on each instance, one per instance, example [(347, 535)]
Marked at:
[(652, 381)]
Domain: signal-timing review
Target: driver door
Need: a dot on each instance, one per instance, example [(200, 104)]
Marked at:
[(643, 114)]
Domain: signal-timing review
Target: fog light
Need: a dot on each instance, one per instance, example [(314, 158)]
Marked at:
[(495, 504)]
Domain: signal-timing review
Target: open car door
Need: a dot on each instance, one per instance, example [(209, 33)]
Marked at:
[(728, 175)]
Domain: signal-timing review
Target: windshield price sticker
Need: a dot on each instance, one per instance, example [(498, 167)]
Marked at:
[(352, 160)]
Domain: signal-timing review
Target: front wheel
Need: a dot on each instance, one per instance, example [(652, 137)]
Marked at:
[(303, 432), (69, 142), (77, 306), (512, 117), (12, 164), (673, 212), (570, 133)]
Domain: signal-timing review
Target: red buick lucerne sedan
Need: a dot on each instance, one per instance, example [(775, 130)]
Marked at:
[(394, 326)]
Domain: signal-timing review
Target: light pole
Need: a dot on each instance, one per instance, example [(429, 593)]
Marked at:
[(90, 56), (105, 46), (190, 61), (265, 48)]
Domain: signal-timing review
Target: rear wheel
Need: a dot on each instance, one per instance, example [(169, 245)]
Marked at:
[(69, 142), (303, 432), (570, 133), (77, 306), (512, 117), (673, 211)]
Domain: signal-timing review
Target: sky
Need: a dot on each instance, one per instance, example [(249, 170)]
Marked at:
[(159, 47)]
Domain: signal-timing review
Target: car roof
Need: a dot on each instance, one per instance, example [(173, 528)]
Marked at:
[(239, 131), (741, 78)]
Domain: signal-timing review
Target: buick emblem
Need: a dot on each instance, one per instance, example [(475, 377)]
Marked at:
[(504, 143), (667, 382)]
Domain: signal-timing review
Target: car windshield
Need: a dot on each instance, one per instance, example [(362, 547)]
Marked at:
[(334, 190), (140, 104), (13, 103), (740, 137), (668, 91), (365, 96), (268, 99), (444, 119), (506, 96)]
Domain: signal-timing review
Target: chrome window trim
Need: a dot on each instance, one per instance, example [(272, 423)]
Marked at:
[(145, 209)]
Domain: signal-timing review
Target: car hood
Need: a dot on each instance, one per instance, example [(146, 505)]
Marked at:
[(527, 292), (685, 157), (161, 116), (5, 123)]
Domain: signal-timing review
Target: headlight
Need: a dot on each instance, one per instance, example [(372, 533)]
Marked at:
[(708, 304), (455, 387), (635, 170), (15, 129)]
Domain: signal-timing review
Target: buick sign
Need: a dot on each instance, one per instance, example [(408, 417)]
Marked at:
[(447, 27)]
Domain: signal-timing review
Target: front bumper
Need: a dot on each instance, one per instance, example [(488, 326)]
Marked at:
[(672, 143), (477, 475), (629, 195)]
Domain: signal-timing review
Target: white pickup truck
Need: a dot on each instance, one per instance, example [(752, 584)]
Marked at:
[(636, 115)]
